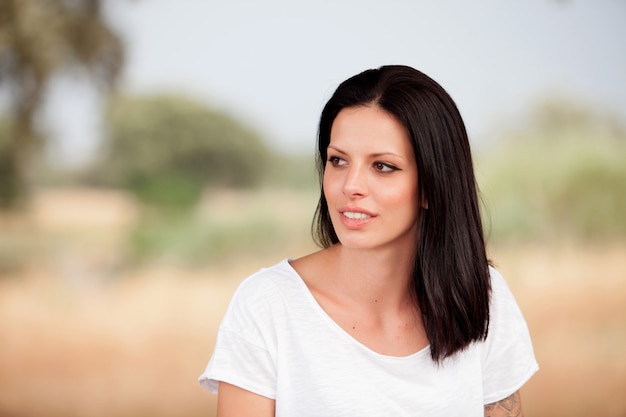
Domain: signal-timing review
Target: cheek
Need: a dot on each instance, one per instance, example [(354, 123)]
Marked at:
[(402, 198), (329, 184), (401, 192)]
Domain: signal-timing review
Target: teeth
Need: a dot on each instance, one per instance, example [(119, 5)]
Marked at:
[(356, 216)]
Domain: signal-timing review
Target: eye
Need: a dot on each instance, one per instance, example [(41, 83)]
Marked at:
[(384, 167), (336, 161)]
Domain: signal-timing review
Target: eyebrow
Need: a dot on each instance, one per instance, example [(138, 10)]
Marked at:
[(376, 155)]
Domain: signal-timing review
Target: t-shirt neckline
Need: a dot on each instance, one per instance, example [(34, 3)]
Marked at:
[(337, 328)]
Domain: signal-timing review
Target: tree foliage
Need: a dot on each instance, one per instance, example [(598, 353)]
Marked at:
[(562, 176), (168, 148), (38, 40)]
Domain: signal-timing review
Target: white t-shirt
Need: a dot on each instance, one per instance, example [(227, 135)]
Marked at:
[(275, 340)]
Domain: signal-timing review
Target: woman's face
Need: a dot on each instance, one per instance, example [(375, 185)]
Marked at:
[(370, 180)]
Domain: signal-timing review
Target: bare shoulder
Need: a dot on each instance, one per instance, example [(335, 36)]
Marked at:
[(511, 406), (314, 265)]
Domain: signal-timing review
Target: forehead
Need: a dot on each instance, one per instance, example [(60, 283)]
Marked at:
[(369, 126)]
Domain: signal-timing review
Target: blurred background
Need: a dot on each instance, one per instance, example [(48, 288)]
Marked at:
[(154, 153)]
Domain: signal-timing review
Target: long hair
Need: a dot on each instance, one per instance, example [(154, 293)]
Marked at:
[(450, 277)]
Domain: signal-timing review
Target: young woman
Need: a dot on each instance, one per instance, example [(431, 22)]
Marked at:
[(400, 313)]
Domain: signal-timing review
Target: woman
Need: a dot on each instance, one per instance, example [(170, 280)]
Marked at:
[(400, 313)]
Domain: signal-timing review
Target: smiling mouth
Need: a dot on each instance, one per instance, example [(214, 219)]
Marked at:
[(356, 216)]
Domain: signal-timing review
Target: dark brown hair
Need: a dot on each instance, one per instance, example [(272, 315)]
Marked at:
[(451, 280)]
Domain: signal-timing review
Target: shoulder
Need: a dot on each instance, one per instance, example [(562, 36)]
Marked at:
[(502, 299), (316, 267), (508, 360), (272, 282), (264, 280), (497, 280), (261, 296)]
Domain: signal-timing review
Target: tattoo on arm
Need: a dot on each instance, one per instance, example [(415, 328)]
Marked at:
[(511, 406)]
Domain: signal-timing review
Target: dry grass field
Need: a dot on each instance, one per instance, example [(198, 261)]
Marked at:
[(574, 300), (132, 342)]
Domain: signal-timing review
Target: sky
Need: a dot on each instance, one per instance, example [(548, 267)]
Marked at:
[(273, 63)]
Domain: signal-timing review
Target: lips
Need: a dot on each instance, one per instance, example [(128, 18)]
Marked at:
[(354, 218), (355, 215)]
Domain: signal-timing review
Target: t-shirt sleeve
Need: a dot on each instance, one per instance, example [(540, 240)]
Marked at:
[(508, 359), (245, 345)]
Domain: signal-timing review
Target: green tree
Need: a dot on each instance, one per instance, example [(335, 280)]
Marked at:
[(38, 40), (168, 148), (560, 176)]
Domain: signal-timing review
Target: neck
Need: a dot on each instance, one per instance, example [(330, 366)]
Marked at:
[(381, 277)]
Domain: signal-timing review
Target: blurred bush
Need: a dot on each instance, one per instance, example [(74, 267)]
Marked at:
[(174, 154), (561, 177), (188, 240), (167, 149)]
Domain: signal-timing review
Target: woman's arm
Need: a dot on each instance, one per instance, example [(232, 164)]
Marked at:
[(233, 401), (511, 406)]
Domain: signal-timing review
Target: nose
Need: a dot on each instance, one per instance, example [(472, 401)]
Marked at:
[(355, 184)]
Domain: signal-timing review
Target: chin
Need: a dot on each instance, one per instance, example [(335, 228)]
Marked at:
[(369, 241), (362, 243)]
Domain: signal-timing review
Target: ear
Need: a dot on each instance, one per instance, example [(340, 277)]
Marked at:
[(424, 202)]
